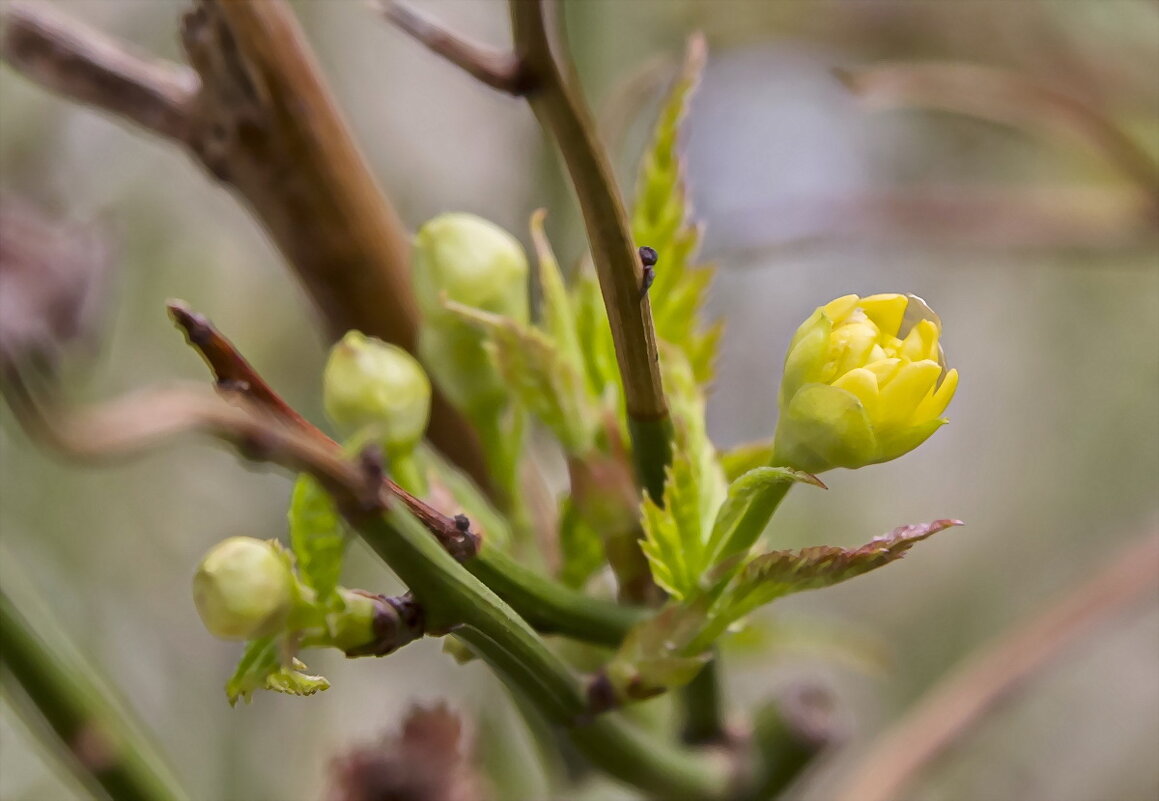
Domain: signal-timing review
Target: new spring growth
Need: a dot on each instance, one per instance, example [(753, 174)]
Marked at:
[(865, 382), (466, 259), (369, 385), (244, 589)]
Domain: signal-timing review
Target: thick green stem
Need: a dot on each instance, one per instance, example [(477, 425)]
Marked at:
[(703, 707), (455, 600), (105, 748), (552, 607)]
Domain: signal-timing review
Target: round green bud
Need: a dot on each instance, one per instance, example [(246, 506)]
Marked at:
[(470, 261), (369, 383), (244, 589)]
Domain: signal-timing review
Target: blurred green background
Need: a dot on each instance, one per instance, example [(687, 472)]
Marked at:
[(1047, 285)]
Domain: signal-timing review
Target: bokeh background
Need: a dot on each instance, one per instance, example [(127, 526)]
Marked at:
[(1030, 246)]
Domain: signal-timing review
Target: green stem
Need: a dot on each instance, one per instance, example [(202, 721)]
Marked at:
[(563, 114), (703, 707), (454, 599), (108, 750), (552, 607)]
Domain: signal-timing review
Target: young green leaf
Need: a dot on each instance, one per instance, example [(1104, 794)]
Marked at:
[(676, 536), (318, 537), (772, 575), (540, 377), (654, 656), (752, 500), (557, 316), (262, 668), (740, 459), (661, 219), (581, 546), (599, 352)]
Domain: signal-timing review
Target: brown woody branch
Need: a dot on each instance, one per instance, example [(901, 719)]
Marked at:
[(256, 113), (236, 378)]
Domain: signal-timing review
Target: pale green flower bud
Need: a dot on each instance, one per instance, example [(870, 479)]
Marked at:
[(865, 382), (368, 383), (468, 260), (244, 589)]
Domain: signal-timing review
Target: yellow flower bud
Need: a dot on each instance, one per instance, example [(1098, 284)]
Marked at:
[(244, 589), (369, 383), (865, 382)]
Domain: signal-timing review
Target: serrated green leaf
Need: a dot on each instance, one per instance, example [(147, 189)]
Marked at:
[(263, 666), (676, 536), (772, 575), (752, 500), (541, 379), (291, 681), (661, 219), (654, 656), (260, 659), (581, 546), (318, 537)]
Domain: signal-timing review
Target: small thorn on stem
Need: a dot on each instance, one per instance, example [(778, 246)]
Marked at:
[(648, 257)]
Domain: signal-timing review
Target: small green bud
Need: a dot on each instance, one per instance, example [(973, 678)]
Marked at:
[(466, 259), (368, 383), (865, 382), (470, 261), (244, 589)]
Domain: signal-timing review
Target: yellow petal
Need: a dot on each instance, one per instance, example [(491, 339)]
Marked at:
[(884, 369), (901, 396), (886, 311), (937, 401), (921, 342), (837, 310), (850, 345), (862, 384)]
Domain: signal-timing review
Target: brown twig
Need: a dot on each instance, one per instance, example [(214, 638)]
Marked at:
[(83, 65), (954, 707), (256, 113), (539, 76), (495, 68), (1008, 98), (238, 378)]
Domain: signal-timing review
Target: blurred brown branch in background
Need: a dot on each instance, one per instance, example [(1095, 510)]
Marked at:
[(954, 708), (259, 117), (1009, 98)]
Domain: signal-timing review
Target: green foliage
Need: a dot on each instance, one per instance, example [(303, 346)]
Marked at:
[(318, 537), (661, 219), (653, 657), (581, 546), (599, 352), (766, 577), (540, 377), (263, 666), (742, 458), (676, 535), (752, 500)]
